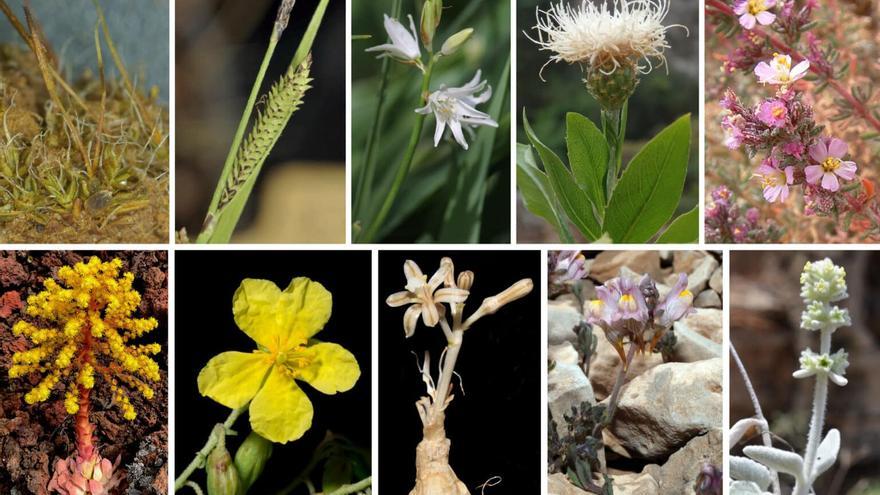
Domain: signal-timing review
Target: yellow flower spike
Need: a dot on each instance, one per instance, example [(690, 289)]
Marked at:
[(281, 323)]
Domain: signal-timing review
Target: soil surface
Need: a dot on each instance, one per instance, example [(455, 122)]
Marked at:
[(32, 437)]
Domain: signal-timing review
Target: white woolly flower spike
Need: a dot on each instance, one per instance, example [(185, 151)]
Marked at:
[(606, 35)]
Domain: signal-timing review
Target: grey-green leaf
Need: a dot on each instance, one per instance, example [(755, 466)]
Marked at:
[(777, 459), (745, 469), (588, 157), (573, 199), (536, 191), (649, 190), (683, 230)]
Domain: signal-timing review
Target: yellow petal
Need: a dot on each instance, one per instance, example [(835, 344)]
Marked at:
[(281, 412), (331, 368), (233, 378), (307, 307), (255, 307)]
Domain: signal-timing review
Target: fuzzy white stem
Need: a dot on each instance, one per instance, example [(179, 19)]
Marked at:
[(817, 423)]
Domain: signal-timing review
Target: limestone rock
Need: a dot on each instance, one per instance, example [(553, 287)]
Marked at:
[(691, 347), (707, 299), (558, 484), (716, 281), (679, 473), (706, 322), (636, 484), (563, 353), (567, 386), (699, 265), (561, 320), (605, 364), (607, 264), (663, 409)]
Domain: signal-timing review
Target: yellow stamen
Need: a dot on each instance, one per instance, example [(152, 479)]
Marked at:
[(756, 6), (778, 112), (685, 293), (831, 164)]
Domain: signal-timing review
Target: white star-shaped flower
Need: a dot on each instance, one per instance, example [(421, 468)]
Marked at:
[(457, 106), (404, 45)]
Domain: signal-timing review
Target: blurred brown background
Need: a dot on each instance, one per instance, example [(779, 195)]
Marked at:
[(765, 328), (300, 196)]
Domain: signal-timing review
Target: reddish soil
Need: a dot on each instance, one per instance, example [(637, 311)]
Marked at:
[(32, 437)]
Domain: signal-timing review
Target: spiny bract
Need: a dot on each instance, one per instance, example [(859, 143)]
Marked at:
[(88, 313)]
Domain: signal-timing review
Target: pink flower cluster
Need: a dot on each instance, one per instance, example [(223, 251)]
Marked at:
[(726, 224), (782, 126)]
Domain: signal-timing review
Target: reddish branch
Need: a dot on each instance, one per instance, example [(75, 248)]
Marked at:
[(857, 106)]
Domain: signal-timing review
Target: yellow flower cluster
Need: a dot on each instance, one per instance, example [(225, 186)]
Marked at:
[(90, 328)]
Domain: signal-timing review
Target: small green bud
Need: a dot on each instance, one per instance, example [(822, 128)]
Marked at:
[(223, 477), (612, 90), (251, 458), (454, 42), (432, 10)]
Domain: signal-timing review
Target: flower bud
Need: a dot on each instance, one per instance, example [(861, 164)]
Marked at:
[(454, 42), (223, 477), (251, 458), (465, 280), (432, 10), (612, 90)]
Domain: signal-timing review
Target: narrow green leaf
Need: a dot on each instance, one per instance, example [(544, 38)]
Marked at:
[(683, 230), (573, 199), (649, 190), (588, 156), (464, 211), (537, 193)]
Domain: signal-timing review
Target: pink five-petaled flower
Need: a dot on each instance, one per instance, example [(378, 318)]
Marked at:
[(774, 180), (773, 113), (752, 11), (424, 295), (79, 476), (780, 71), (829, 153), (733, 134)]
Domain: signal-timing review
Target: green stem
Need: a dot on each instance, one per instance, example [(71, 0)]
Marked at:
[(211, 217), (353, 488), (365, 178), (199, 460), (614, 125), (403, 167)]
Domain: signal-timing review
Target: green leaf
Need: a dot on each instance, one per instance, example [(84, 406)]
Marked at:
[(573, 199), (683, 230), (461, 220), (536, 191), (588, 156), (337, 473), (649, 190)]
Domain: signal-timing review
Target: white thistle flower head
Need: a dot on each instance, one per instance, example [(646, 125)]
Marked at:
[(457, 106), (404, 45), (607, 35)]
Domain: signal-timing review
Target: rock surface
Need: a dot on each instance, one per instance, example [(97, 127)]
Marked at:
[(606, 363), (563, 353), (661, 410), (567, 386), (561, 320), (679, 473), (637, 484), (558, 484), (691, 347), (608, 264), (707, 299), (707, 322)]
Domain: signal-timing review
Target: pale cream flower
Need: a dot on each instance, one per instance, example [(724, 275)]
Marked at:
[(629, 32), (424, 296)]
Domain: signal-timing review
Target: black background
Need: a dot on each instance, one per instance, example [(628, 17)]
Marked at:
[(495, 426), (204, 285)]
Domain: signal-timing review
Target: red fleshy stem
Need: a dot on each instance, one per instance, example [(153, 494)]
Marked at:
[(82, 427), (857, 106)]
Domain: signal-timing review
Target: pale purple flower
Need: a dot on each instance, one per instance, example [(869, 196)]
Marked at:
[(829, 153), (677, 304), (793, 148), (751, 12), (603, 311), (457, 106), (773, 113), (404, 45), (570, 265), (779, 70), (733, 134), (774, 180), (631, 303)]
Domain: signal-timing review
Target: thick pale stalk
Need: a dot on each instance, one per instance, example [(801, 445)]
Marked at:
[(817, 423)]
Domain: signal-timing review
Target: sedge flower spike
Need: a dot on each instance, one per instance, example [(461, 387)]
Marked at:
[(753, 12), (283, 324), (404, 45), (456, 108), (828, 155)]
